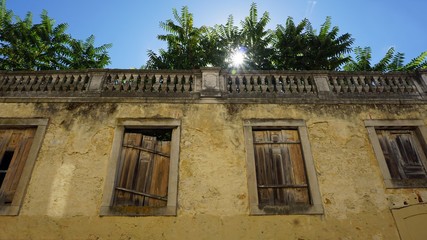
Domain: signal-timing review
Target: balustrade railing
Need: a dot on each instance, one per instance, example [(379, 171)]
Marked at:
[(44, 82), (149, 82), (373, 84), (270, 83), (212, 83)]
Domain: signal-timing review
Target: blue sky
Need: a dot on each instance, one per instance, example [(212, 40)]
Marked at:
[(132, 25)]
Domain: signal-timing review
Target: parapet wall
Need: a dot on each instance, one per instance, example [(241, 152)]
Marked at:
[(211, 83)]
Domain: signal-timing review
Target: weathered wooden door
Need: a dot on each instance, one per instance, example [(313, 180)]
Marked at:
[(411, 222), (15, 145), (280, 170), (144, 171)]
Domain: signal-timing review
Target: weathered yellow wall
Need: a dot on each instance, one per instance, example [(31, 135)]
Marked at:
[(66, 187)]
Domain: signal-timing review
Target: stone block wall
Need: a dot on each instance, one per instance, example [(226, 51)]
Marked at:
[(65, 192)]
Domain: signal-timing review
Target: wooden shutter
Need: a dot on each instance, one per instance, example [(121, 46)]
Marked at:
[(403, 153), (144, 171), (280, 170), (15, 145)]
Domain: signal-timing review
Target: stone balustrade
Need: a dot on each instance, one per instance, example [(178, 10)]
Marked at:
[(212, 84)]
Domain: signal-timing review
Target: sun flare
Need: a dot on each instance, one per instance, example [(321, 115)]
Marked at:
[(237, 57)]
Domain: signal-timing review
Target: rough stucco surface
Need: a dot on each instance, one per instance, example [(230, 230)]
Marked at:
[(65, 191)]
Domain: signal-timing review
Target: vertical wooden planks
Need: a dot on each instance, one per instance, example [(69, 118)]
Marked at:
[(17, 142), (129, 163), (142, 180), (403, 154), (281, 176), (144, 172), (160, 174), (385, 143), (263, 167)]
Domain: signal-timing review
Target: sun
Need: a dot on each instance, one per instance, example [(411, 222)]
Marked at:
[(237, 57)]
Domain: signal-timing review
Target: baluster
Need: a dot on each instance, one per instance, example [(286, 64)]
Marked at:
[(267, 84), (384, 82), (293, 84), (358, 84), (229, 84), (48, 84), (145, 84), (396, 84), (351, 85), (137, 87), (189, 85), (57, 84), (236, 85), (410, 87), (114, 82), (29, 83), (299, 84), (258, 84), (21, 83), (152, 83), (287, 84), (73, 83), (344, 85), (261, 87), (333, 83), (308, 86), (141, 83), (108, 83), (81, 83), (264, 84), (14, 84), (400, 85), (366, 84), (281, 85), (379, 83), (273, 84), (158, 87), (252, 84), (43, 83), (167, 83), (175, 83), (124, 83), (34, 86), (184, 83), (5, 83), (340, 83), (133, 82), (245, 84)]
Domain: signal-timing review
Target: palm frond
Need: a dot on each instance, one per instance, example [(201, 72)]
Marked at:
[(383, 64), (416, 63)]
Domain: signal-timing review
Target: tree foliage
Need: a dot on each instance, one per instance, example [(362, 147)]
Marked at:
[(289, 47), (25, 45), (392, 61), (256, 40), (292, 46), (183, 42)]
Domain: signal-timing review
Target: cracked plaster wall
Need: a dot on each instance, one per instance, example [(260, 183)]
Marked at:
[(66, 187)]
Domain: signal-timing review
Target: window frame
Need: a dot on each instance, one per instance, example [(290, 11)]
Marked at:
[(40, 124), (315, 208), (421, 131), (107, 208)]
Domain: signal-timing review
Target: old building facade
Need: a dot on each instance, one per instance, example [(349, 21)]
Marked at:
[(212, 154)]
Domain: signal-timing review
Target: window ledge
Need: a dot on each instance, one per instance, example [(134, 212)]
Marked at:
[(405, 183), (137, 211), (316, 209)]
